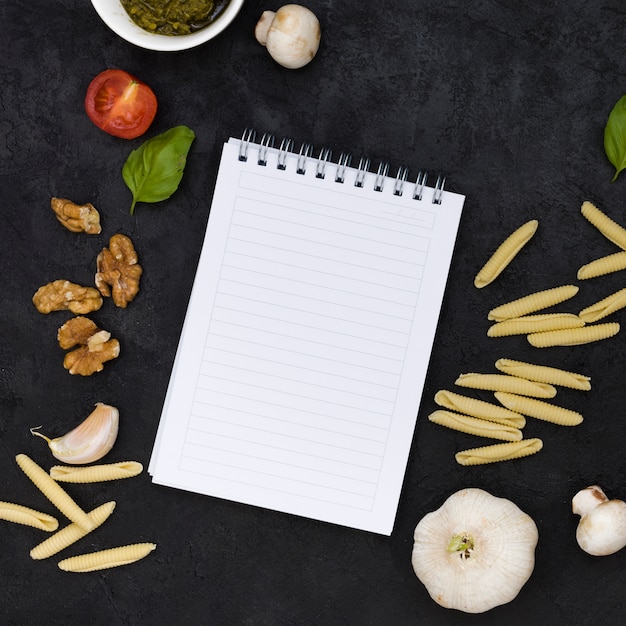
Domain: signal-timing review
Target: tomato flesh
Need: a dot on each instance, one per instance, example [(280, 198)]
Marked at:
[(120, 104)]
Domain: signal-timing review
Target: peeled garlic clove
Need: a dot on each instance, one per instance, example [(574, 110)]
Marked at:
[(90, 440)]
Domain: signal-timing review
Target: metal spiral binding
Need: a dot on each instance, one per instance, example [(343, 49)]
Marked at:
[(344, 161), (285, 146), (419, 185), (305, 152), (441, 181), (401, 176), (383, 169), (322, 160), (267, 141), (248, 135), (364, 164)]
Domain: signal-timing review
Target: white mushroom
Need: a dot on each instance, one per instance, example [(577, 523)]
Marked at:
[(291, 35), (602, 526)]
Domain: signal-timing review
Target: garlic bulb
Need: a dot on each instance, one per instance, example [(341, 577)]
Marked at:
[(476, 552), (602, 527), (90, 440), (291, 35)]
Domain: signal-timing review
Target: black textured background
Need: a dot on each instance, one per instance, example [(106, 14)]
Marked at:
[(509, 99)]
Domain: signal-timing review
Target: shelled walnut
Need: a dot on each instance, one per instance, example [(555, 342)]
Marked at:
[(118, 271), (77, 217), (63, 295), (95, 346)]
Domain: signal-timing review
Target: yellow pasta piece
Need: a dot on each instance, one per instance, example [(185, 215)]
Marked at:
[(504, 382), (610, 229), (532, 302), (475, 426), (71, 533), (479, 408), (96, 473), (505, 253), (26, 516), (103, 559), (499, 452), (54, 492), (535, 324), (574, 336), (604, 265), (604, 307), (539, 409), (544, 374)]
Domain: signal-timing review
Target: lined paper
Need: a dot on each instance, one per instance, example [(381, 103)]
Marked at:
[(302, 359)]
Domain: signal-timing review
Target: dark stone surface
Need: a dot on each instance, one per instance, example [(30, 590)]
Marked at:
[(509, 99)]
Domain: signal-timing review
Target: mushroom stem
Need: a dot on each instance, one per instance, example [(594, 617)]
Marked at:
[(587, 500), (263, 26)]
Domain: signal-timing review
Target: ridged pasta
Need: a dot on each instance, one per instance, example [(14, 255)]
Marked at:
[(96, 473), (544, 374), (505, 253), (475, 426), (479, 408), (504, 382), (499, 452), (532, 302), (71, 533), (535, 324), (54, 492), (604, 265), (610, 229), (26, 516), (539, 409), (574, 336), (604, 307), (104, 559)]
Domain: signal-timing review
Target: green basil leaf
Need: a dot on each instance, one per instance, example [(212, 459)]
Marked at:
[(615, 136), (153, 171)]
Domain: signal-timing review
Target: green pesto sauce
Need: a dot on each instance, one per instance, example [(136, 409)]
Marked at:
[(173, 17)]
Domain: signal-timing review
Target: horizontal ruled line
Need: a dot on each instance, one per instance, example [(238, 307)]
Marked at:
[(283, 491), (324, 258), (320, 343), (300, 410), (299, 395), (295, 423), (291, 209), (347, 306), (329, 245), (292, 465), (299, 367), (302, 267), (287, 449), (320, 328)]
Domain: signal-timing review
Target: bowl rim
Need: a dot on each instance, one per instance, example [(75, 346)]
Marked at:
[(112, 13)]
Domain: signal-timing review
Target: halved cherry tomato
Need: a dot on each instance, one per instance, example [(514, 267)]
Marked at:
[(120, 104)]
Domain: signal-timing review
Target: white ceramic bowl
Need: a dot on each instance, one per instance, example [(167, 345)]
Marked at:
[(115, 17)]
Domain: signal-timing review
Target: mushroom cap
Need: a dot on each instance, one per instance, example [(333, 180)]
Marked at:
[(602, 531), (502, 559), (293, 36)]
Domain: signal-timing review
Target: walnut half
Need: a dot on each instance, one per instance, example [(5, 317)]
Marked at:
[(77, 217), (95, 346), (118, 271), (62, 295)]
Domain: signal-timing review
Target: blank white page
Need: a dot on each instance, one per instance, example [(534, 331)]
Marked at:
[(302, 360)]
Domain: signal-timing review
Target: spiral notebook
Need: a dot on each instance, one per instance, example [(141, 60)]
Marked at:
[(301, 363)]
